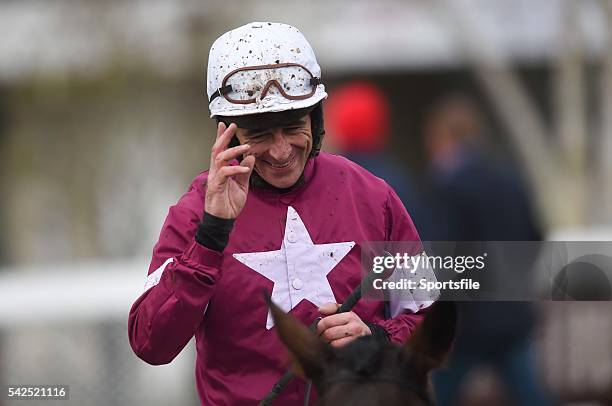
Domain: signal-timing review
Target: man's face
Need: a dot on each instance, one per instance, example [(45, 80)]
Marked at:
[(280, 152)]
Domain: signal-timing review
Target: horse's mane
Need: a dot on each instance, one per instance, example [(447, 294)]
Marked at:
[(364, 356)]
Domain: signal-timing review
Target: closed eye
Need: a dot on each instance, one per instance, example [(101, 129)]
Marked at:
[(254, 136)]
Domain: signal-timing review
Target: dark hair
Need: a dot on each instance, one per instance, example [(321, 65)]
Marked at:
[(318, 128)]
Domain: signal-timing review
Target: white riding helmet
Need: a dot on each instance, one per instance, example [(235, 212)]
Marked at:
[(262, 67)]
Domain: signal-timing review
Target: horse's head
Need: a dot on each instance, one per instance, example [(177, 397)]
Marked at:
[(366, 371)]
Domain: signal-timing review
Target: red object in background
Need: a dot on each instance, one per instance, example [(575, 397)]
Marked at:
[(357, 117)]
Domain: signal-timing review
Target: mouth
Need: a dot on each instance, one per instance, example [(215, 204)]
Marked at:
[(283, 165)]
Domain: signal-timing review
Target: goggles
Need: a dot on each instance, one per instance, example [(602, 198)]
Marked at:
[(248, 84)]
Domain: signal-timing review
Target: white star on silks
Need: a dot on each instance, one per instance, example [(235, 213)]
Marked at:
[(299, 269)]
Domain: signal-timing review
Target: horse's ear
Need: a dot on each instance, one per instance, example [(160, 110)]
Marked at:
[(307, 350), (429, 345)]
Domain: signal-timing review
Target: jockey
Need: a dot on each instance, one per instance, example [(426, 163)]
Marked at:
[(273, 213)]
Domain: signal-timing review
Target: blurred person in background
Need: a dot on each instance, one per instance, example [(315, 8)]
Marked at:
[(358, 120), (476, 198), (272, 213)]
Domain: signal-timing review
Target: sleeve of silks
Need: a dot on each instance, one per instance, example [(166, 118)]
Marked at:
[(405, 307), (180, 283)]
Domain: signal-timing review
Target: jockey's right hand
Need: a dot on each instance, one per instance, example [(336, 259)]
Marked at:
[(227, 185)]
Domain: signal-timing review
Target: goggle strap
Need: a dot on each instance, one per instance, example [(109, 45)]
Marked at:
[(315, 81), (222, 90)]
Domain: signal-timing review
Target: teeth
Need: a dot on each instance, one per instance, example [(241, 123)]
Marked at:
[(281, 166)]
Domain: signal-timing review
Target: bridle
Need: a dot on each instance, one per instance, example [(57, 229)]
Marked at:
[(348, 304), (404, 383)]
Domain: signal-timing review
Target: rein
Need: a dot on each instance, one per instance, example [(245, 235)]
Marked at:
[(348, 304)]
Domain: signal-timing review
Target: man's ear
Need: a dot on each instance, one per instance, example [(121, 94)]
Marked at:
[(309, 353), (432, 341)]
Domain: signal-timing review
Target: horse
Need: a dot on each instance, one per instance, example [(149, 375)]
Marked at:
[(369, 371)]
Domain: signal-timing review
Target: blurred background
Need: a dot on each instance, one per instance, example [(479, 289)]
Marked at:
[(104, 122)]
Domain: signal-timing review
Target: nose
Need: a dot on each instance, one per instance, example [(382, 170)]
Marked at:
[(280, 150)]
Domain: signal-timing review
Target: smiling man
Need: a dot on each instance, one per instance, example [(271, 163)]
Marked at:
[(272, 213), (280, 152)]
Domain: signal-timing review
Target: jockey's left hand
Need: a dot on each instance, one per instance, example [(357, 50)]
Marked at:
[(340, 329)]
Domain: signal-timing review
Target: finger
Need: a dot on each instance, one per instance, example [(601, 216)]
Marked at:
[(332, 321), (328, 308), (228, 171), (224, 157), (226, 136), (223, 139), (220, 128), (337, 332), (248, 161), (243, 178), (342, 341)]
